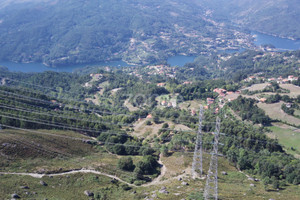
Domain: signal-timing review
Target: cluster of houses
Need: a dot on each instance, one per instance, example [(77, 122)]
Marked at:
[(222, 93), (161, 70), (279, 80), (168, 104)]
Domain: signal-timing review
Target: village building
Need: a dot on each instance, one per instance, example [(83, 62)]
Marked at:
[(161, 84), (210, 101)]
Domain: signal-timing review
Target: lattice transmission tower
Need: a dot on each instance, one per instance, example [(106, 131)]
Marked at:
[(211, 187), (197, 159)]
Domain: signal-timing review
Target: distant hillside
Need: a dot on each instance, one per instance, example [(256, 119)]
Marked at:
[(276, 17), (78, 31)]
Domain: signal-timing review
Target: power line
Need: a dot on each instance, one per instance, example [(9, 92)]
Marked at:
[(23, 97), (211, 187), (82, 139), (52, 115), (197, 159), (34, 146), (51, 88)]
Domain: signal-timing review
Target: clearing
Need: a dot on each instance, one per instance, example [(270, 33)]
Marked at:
[(294, 90), (287, 136), (275, 112), (143, 130)]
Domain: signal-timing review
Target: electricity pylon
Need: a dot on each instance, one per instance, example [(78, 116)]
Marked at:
[(211, 187), (197, 159)]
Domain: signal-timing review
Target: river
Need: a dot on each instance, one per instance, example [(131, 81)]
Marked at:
[(178, 60), (280, 43), (39, 67)]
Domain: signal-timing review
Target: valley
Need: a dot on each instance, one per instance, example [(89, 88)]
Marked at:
[(127, 99)]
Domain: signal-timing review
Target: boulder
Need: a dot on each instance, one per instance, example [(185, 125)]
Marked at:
[(154, 195), (251, 179), (88, 193), (24, 187), (184, 183), (43, 183), (15, 196), (224, 173), (163, 191), (252, 185)]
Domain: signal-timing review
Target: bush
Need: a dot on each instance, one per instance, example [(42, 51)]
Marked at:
[(125, 187), (126, 163)]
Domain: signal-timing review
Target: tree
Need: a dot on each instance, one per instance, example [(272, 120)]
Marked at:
[(126, 163), (138, 174), (164, 150), (119, 149), (266, 181), (165, 125), (156, 119), (148, 164), (275, 182)]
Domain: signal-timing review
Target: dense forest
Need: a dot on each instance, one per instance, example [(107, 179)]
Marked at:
[(92, 31)]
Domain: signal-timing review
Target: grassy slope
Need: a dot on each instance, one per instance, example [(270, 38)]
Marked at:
[(275, 112), (233, 186), (287, 137)]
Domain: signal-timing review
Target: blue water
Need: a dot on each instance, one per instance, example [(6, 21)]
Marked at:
[(180, 61), (39, 67), (279, 43)]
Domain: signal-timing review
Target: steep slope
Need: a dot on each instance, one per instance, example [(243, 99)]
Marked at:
[(277, 17), (64, 32)]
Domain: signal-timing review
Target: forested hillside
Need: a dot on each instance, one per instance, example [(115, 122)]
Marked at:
[(278, 17), (64, 32)]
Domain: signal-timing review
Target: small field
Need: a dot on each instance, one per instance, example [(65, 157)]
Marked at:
[(294, 90), (141, 129), (256, 87), (275, 112), (191, 105), (287, 136)]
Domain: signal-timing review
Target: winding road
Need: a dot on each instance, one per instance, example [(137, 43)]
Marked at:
[(36, 175), (157, 180)]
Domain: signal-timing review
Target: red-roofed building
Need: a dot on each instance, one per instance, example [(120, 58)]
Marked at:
[(187, 82), (193, 112), (149, 116), (292, 78), (210, 101), (219, 90), (161, 84)]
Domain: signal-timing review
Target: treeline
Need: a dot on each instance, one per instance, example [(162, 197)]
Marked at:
[(247, 110)]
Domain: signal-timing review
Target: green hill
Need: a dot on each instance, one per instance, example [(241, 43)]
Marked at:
[(68, 32), (277, 17)]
